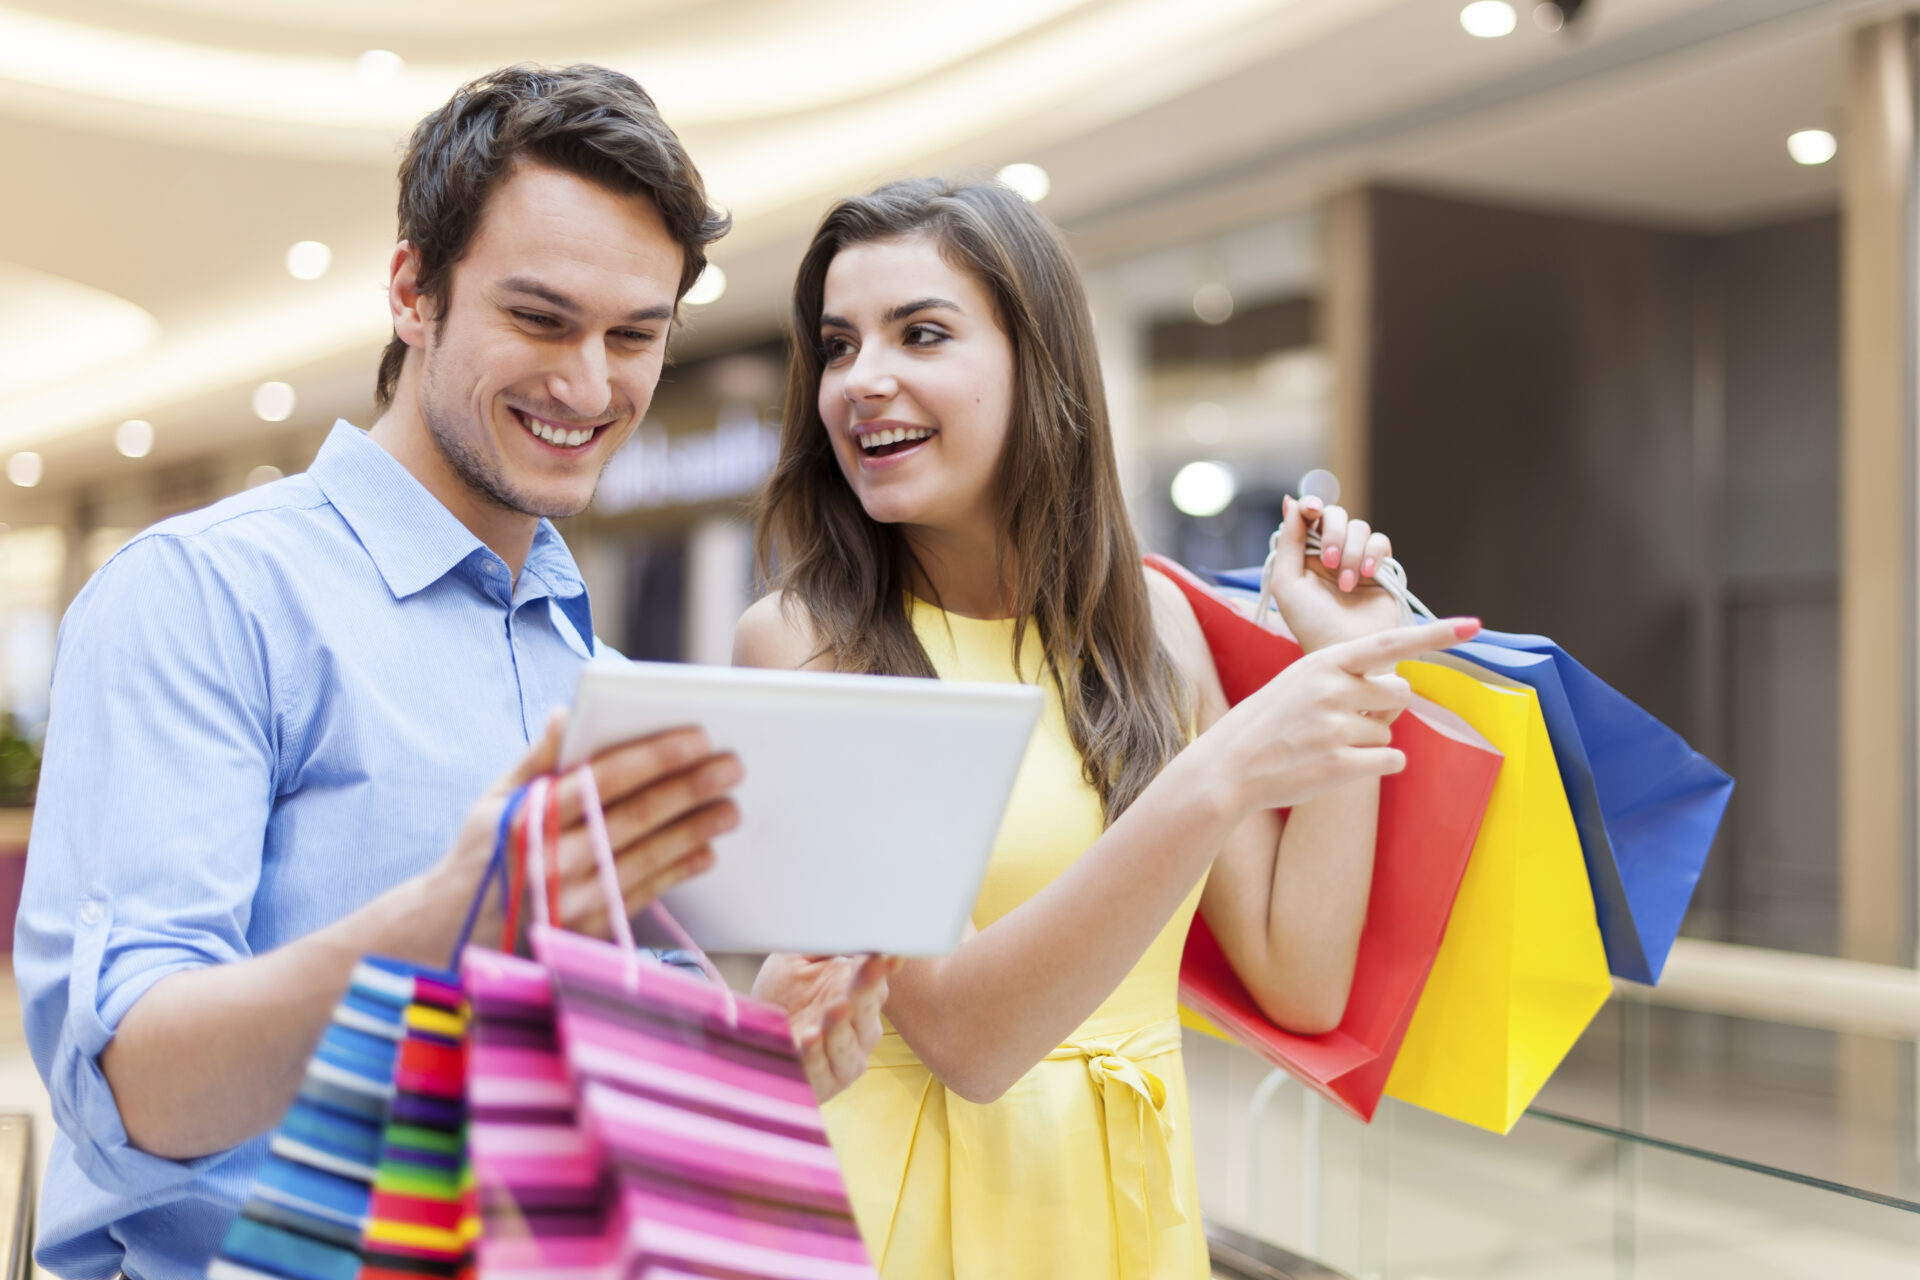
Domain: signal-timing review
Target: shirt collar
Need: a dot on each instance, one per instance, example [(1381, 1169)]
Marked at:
[(412, 538)]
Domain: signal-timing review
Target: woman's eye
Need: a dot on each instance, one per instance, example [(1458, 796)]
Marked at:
[(924, 335), (832, 349)]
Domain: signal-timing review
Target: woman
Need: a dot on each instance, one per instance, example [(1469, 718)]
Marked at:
[(947, 503)]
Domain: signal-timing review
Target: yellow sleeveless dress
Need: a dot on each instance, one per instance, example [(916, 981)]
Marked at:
[(1083, 1170)]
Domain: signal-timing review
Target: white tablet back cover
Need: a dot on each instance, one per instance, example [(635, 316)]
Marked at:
[(869, 804)]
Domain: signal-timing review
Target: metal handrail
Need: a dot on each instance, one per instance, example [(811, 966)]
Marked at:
[(17, 1194), (1786, 986)]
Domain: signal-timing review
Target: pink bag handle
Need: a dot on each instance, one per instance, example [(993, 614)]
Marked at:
[(538, 797)]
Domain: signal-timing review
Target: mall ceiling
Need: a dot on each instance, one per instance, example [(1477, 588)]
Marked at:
[(160, 156)]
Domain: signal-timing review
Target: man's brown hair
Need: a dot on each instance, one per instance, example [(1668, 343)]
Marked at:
[(584, 120)]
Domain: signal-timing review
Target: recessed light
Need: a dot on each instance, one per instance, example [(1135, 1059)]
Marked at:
[(381, 66), (265, 473), (1204, 488), (25, 469), (1549, 17), (1489, 19), (273, 401), (1812, 146), (1030, 180), (308, 260), (134, 438), (708, 288), (1213, 303)]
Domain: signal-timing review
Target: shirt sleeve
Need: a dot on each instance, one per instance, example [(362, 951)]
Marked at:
[(155, 788)]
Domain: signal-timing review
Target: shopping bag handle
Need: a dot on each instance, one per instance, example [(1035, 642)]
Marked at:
[(540, 808), (497, 869), (1389, 575)]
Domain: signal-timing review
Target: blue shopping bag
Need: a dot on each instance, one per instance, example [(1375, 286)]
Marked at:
[(1647, 805)]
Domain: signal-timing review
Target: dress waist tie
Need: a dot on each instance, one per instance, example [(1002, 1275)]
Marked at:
[(1133, 1103)]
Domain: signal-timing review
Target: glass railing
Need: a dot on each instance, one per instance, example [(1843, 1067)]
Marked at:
[(1676, 1142)]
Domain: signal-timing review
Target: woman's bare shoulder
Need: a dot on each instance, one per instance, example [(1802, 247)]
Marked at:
[(776, 632), (1179, 630)]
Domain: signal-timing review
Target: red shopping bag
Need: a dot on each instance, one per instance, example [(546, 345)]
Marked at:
[(1429, 818), (631, 1119)]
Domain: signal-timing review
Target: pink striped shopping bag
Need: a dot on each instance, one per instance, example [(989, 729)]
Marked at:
[(628, 1119)]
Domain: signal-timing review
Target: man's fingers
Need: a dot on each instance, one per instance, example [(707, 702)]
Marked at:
[(1384, 650), (653, 808), (635, 766)]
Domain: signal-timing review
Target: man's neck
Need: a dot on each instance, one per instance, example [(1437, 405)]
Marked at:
[(507, 533)]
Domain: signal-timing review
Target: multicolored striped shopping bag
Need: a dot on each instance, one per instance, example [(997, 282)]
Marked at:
[(366, 1178), (632, 1119)]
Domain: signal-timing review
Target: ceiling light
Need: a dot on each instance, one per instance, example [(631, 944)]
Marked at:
[(265, 473), (1549, 17), (1204, 488), (1489, 19), (708, 288), (273, 401), (25, 468), (1213, 303), (1030, 180), (381, 66), (1812, 146), (134, 438), (308, 260)]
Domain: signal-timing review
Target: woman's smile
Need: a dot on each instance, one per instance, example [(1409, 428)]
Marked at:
[(886, 442)]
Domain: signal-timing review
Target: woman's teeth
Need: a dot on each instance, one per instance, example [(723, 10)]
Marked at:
[(874, 441), (554, 435)]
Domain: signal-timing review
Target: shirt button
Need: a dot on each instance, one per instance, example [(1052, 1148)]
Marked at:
[(89, 912)]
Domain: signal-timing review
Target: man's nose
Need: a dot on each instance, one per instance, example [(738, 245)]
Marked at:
[(581, 382)]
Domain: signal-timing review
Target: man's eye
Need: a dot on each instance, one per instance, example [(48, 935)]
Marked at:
[(635, 336), (535, 319)]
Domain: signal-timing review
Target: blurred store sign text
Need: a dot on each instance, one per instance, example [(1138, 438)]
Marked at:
[(655, 469)]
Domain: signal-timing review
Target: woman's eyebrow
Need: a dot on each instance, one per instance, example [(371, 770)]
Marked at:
[(896, 314)]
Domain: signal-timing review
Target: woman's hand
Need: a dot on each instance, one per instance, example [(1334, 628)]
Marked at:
[(1332, 596), (834, 1003), (1324, 721)]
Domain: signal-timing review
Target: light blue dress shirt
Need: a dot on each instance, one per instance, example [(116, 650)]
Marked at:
[(264, 714)]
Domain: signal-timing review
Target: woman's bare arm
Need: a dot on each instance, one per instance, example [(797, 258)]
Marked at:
[(983, 1016)]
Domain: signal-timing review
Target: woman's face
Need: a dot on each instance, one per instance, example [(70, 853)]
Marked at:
[(917, 388)]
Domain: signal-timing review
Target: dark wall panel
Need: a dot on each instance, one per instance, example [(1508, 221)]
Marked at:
[(1531, 403)]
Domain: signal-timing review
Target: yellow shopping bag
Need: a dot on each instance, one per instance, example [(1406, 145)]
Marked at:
[(1522, 968)]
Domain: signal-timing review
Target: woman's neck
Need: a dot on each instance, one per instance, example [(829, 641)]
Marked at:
[(963, 571)]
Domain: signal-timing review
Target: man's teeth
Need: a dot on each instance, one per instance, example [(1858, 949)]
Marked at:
[(894, 435), (554, 435)]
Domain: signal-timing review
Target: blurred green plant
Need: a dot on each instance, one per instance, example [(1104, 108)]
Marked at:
[(19, 765)]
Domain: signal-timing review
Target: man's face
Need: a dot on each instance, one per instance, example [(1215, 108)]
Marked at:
[(549, 343)]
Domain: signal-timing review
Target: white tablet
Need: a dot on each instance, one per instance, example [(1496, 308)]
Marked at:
[(868, 808)]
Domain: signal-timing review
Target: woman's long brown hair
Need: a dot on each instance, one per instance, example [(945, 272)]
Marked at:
[(1064, 532)]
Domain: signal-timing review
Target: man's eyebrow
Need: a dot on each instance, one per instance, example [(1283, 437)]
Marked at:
[(561, 302), (896, 314)]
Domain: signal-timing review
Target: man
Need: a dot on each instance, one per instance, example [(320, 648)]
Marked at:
[(270, 716)]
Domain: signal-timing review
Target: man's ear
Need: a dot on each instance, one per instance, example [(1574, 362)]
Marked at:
[(411, 309)]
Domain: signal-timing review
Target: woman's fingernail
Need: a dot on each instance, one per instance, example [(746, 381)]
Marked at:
[(1467, 628), (1331, 557), (1366, 567), (1348, 580), (1286, 508)]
